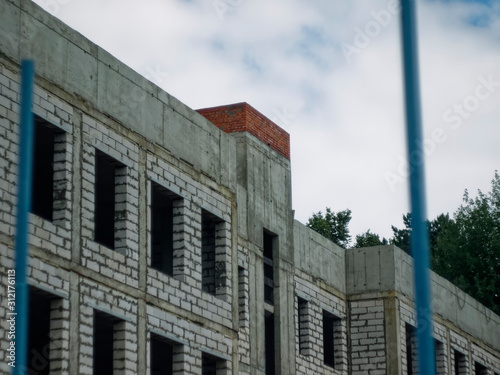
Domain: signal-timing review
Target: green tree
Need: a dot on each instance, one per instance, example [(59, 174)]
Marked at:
[(402, 237), (334, 226), (368, 239), (467, 250)]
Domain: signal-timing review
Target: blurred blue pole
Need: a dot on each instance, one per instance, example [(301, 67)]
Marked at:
[(23, 207), (420, 235)]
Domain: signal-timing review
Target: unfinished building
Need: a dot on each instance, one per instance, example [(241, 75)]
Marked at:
[(162, 239)]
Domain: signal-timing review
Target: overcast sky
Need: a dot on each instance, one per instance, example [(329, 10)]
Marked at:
[(329, 73)]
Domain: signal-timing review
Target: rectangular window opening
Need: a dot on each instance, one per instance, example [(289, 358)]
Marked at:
[(162, 229), (331, 328), (106, 170), (209, 364), (268, 260), (411, 350), (459, 363), (161, 356), (38, 359), (269, 343), (208, 245), (42, 196), (104, 349), (480, 369), (302, 319)]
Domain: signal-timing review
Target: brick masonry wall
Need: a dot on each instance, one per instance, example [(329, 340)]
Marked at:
[(122, 262), (52, 236), (194, 338), (184, 288), (448, 341), (57, 260), (310, 353), (368, 345), (243, 117), (243, 306), (459, 345)]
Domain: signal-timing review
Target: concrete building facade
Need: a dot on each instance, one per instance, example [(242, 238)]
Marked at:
[(162, 239)]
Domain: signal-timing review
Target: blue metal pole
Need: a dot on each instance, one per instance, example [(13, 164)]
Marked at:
[(23, 207), (420, 235)]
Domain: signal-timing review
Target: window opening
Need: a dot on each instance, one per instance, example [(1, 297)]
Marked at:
[(479, 369), (161, 356), (209, 364), (268, 261), (410, 348), (330, 323), (208, 245), (104, 350), (162, 229), (38, 360), (302, 318), (460, 364), (42, 197), (106, 170), (269, 343)]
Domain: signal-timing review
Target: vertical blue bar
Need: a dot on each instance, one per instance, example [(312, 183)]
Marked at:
[(23, 207), (420, 235)]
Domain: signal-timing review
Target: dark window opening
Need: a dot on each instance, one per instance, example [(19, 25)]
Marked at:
[(104, 230), (460, 364), (162, 229), (209, 364), (269, 343), (410, 348), (208, 239), (479, 369), (103, 349), (161, 356), (39, 332), (302, 318), (268, 261), (329, 326), (42, 197)]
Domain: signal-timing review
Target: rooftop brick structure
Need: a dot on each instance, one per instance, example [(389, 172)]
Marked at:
[(242, 117)]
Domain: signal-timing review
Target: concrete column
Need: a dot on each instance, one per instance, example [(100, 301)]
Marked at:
[(393, 336)]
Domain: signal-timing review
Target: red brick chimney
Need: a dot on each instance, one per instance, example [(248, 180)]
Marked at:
[(241, 117)]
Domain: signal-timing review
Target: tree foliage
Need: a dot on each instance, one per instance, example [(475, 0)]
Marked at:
[(368, 239), (334, 226), (465, 247), (467, 251)]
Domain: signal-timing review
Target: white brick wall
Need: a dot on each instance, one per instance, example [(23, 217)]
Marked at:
[(311, 358), (368, 345), (193, 338)]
